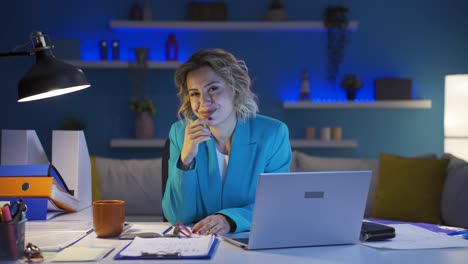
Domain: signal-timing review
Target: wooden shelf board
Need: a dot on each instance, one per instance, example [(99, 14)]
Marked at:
[(123, 64), (137, 143), (422, 104), (305, 143), (223, 25)]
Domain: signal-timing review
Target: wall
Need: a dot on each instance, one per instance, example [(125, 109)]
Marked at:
[(419, 39)]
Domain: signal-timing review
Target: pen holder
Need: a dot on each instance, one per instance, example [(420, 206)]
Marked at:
[(12, 240)]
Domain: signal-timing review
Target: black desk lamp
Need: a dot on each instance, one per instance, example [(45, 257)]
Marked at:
[(49, 76)]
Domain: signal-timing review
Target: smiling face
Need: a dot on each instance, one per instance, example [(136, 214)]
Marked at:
[(210, 97)]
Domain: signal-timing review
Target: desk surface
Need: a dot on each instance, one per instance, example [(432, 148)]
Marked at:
[(227, 253)]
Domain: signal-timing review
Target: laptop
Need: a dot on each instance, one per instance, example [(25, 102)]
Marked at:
[(299, 209)]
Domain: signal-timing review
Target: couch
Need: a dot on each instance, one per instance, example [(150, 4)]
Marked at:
[(139, 182)]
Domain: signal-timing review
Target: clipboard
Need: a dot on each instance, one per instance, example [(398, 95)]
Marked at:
[(211, 252)]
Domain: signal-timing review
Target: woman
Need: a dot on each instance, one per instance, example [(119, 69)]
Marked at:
[(220, 147)]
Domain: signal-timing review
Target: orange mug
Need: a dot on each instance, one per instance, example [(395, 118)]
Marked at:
[(108, 217)]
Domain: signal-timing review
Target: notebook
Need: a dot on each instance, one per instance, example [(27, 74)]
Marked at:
[(298, 209)]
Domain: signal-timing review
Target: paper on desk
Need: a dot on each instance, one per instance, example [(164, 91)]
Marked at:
[(56, 235), (83, 253), (408, 236), (156, 228), (187, 247)]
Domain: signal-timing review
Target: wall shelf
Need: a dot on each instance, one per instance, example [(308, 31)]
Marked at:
[(137, 143), (295, 143), (122, 64), (305, 143), (222, 25), (421, 104)]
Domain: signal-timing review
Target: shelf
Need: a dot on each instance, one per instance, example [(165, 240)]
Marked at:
[(295, 143), (122, 64), (137, 143), (222, 25), (304, 143), (422, 104)]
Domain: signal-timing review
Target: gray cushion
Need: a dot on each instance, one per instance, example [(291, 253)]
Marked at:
[(454, 206), (136, 181), (304, 162)]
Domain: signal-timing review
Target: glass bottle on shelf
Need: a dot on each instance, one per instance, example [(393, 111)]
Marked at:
[(172, 48)]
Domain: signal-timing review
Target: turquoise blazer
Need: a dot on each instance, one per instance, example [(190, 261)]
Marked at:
[(259, 144)]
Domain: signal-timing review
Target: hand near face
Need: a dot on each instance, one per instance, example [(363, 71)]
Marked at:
[(213, 224), (195, 132)]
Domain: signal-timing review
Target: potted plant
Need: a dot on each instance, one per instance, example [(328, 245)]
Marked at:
[(351, 83), (336, 23), (72, 123), (276, 12), (144, 123)]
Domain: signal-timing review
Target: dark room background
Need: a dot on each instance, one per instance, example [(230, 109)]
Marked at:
[(419, 39)]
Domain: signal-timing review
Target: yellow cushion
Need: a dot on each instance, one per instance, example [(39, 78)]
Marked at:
[(409, 189), (96, 190)]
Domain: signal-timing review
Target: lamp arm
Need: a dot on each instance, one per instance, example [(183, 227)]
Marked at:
[(15, 54)]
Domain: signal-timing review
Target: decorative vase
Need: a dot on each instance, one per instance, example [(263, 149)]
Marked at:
[(147, 11), (143, 126), (276, 15), (136, 11), (351, 93), (141, 55)]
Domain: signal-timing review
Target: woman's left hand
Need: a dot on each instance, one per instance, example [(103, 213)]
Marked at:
[(213, 224)]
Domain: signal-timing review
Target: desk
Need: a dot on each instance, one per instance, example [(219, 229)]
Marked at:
[(227, 253)]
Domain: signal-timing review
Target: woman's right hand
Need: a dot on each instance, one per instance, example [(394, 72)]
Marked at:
[(195, 132)]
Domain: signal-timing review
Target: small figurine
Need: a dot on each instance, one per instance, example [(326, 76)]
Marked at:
[(305, 89), (103, 45), (115, 50)]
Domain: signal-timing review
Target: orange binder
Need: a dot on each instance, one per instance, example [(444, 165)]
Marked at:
[(26, 186), (38, 187)]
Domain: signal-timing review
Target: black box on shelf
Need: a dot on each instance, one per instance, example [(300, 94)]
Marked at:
[(392, 89), (206, 11)]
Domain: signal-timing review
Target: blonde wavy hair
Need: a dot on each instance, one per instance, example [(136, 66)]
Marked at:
[(233, 71)]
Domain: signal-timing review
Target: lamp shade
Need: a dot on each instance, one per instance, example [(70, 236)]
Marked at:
[(455, 120), (50, 77)]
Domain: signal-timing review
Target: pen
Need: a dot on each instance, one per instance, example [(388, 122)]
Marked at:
[(10, 229), (458, 233), (167, 230), (108, 252), (6, 213)]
